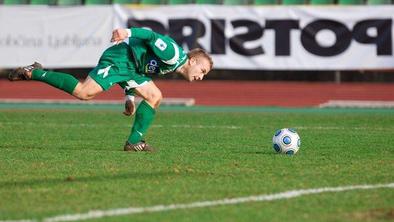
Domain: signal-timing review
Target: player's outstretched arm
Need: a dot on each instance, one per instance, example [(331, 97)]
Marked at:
[(118, 35)]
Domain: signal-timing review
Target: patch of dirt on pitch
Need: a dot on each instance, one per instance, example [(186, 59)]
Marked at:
[(373, 215)]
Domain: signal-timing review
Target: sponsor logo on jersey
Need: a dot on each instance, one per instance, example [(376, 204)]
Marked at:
[(152, 66)]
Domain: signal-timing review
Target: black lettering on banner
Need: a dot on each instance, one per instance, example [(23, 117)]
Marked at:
[(282, 30), (254, 32), (218, 38), (342, 33), (383, 38), (148, 23), (176, 27)]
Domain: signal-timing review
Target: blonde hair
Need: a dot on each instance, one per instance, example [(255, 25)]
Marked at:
[(198, 52)]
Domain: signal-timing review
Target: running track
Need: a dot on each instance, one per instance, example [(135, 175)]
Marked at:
[(226, 93)]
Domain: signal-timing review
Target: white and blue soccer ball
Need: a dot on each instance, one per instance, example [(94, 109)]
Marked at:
[(286, 141)]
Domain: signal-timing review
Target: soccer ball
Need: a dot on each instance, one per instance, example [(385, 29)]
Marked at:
[(286, 141)]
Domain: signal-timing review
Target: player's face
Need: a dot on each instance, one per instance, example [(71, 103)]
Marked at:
[(198, 68)]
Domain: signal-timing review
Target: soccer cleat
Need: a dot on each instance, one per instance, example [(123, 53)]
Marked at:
[(21, 72), (140, 146)]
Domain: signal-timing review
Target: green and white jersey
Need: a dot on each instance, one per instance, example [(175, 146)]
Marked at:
[(154, 53)]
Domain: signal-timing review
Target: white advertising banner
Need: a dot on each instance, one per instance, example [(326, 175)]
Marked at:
[(57, 37), (238, 37), (279, 38)]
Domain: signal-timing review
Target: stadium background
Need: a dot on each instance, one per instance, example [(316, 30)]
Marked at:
[(258, 87), (65, 162)]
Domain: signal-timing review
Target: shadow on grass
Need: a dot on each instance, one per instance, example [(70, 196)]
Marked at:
[(84, 179)]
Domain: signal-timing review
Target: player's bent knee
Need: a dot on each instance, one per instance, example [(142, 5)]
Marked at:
[(154, 98), (86, 97), (87, 90), (157, 97), (83, 95)]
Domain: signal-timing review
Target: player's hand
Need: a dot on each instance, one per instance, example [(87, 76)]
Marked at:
[(118, 35), (129, 108)]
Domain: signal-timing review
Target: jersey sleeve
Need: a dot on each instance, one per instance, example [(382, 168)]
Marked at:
[(163, 47)]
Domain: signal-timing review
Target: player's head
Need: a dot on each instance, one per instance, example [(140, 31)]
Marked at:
[(199, 63)]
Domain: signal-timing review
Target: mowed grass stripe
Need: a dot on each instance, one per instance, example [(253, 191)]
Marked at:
[(63, 162), (185, 126)]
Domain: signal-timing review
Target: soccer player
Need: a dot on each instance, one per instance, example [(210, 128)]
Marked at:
[(125, 64)]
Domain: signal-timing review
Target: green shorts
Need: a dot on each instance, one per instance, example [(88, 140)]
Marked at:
[(116, 66)]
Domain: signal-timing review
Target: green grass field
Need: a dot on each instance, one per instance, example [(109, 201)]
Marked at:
[(60, 161)]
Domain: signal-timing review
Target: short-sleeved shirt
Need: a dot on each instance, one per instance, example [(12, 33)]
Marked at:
[(146, 53)]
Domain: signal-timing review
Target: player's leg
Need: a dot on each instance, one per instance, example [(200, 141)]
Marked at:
[(144, 115), (150, 93), (87, 90), (114, 66), (63, 81)]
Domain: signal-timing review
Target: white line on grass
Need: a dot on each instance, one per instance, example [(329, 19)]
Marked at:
[(228, 201)]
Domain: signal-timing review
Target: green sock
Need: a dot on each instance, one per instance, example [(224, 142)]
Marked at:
[(143, 118), (63, 81)]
